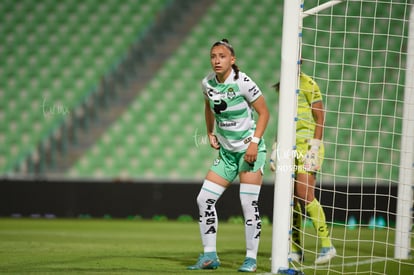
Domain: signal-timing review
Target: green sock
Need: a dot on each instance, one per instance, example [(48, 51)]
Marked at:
[(296, 226), (317, 215)]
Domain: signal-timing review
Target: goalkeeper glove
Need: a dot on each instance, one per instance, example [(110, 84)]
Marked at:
[(311, 163), (273, 157)]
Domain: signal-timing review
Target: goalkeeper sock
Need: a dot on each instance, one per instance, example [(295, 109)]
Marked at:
[(317, 215), (296, 226), (249, 198), (209, 194)]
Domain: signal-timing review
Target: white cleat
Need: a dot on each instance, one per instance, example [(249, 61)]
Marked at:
[(326, 254), (296, 257)]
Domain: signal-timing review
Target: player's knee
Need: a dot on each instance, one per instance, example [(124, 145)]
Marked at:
[(205, 202), (200, 200)]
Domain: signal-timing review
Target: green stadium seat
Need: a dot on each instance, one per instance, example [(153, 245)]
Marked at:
[(170, 108), (41, 46)]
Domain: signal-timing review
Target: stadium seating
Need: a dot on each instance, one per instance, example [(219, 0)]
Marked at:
[(52, 55), (162, 135), (164, 130), (55, 55)]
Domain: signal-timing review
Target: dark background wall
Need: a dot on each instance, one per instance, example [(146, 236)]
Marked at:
[(121, 199)]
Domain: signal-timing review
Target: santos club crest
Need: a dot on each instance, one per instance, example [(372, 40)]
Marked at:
[(230, 93)]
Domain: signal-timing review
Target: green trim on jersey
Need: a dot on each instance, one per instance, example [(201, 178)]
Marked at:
[(236, 114), (230, 102), (233, 135)]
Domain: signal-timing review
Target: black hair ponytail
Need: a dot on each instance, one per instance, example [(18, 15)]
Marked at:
[(236, 71)]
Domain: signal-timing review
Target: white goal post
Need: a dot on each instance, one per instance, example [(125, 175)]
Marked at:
[(286, 134), (293, 16), (406, 176)]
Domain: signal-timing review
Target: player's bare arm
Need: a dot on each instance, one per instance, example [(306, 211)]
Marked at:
[(261, 108), (209, 116), (318, 114)]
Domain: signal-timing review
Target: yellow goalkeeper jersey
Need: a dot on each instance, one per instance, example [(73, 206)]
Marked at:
[(309, 93)]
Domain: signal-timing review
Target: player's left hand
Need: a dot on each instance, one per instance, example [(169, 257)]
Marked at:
[(251, 153), (311, 163), (213, 141)]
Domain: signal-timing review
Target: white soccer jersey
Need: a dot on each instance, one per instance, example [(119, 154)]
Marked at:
[(231, 104)]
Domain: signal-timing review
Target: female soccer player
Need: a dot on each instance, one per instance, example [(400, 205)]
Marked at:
[(231, 98), (308, 160)]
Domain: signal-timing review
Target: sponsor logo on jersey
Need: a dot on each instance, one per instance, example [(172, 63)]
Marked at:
[(228, 124), (254, 90), (247, 140), (212, 92)]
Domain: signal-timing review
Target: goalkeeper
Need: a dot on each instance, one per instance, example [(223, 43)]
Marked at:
[(308, 160)]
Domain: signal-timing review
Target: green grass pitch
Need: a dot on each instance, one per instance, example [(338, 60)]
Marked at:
[(102, 246)]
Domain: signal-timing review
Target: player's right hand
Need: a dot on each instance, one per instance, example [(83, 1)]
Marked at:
[(213, 141), (273, 157)]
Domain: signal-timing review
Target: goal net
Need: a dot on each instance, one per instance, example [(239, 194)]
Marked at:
[(361, 55)]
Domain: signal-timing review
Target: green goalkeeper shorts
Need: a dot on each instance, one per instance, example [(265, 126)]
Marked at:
[(302, 148), (229, 164)]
